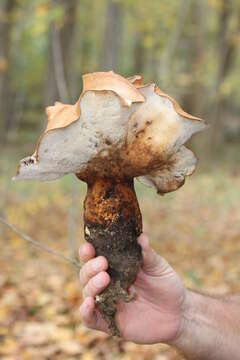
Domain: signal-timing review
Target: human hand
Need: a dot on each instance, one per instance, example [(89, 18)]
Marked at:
[(156, 312)]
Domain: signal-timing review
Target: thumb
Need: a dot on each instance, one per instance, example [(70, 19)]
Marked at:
[(153, 264)]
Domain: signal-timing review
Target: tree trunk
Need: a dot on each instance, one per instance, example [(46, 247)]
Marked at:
[(112, 33), (59, 71), (195, 99), (225, 56), (139, 55), (6, 7), (164, 67)]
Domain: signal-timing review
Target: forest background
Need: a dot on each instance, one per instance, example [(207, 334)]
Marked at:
[(191, 49)]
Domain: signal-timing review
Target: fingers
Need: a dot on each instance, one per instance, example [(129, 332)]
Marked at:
[(96, 284), (143, 241), (94, 279), (87, 311), (152, 263), (91, 317), (92, 268), (93, 276), (86, 252)]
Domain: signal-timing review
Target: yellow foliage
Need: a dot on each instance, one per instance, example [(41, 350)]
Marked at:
[(3, 64)]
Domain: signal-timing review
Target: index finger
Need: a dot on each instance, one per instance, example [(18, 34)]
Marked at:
[(86, 252)]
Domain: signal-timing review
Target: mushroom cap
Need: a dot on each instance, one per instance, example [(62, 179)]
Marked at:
[(118, 128)]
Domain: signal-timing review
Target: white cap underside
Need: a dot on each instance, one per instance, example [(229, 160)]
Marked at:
[(106, 124)]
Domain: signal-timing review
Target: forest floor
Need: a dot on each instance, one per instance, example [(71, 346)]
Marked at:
[(197, 229)]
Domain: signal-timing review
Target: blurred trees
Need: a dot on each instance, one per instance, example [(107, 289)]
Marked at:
[(228, 45), (191, 48), (112, 36), (6, 23), (60, 52)]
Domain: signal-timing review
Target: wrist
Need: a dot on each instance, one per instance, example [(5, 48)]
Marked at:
[(180, 320), (185, 319), (197, 320), (209, 328), (202, 335)]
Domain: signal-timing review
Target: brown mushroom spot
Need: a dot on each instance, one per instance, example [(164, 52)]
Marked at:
[(168, 183), (171, 174), (106, 164), (147, 148), (108, 142)]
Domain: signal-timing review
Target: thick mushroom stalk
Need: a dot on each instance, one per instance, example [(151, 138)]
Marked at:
[(119, 129), (112, 222)]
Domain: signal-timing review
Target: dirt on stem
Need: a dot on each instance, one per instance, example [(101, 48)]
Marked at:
[(112, 223)]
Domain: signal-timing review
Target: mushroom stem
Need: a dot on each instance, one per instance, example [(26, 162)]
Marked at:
[(112, 223)]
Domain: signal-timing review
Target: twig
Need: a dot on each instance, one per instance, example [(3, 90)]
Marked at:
[(38, 245)]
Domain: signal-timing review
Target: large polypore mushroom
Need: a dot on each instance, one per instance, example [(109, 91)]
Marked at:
[(118, 129)]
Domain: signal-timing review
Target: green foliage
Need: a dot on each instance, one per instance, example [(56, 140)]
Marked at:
[(178, 49)]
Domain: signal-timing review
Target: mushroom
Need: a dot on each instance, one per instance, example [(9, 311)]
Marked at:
[(119, 129)]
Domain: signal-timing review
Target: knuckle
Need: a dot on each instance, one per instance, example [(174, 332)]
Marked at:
[(91, 281), (94, 285), (86, 273), (92, 288), (89, 290), (90, 268)]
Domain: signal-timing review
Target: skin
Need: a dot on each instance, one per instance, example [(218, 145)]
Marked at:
[(163, 310)]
